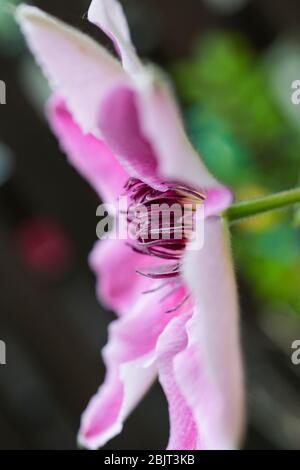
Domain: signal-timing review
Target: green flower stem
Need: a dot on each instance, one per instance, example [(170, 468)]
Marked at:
[(253, 207)]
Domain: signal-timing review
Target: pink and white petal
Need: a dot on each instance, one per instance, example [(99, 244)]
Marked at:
[(109, 16), (183, 429), (78, 69), (90, 156), (124, 387), (120, 127), (217, 200), (162, 125), (158, 114), (130, 360), (209, 370), (114, 263), (144, 129), (82, 73)]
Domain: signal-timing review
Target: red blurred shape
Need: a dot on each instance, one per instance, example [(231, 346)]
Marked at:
[(44, 247)]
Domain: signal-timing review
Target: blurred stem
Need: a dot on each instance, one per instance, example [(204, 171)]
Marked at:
[(253, 207)]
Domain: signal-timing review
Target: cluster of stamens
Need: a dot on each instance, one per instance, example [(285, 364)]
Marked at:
[(162, 222)]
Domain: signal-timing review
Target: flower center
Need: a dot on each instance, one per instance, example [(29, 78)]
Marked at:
[(162, 223)]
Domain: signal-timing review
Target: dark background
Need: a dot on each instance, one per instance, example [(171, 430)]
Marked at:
[(50, 319)]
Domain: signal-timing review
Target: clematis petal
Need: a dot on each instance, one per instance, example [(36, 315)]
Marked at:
[(158, 115), (162, 125), (109, 16), (145, 131), (78, 69), (208, 371), (183, 428), (118, 284), (217, 200), (90, 156), (130, 360), (120, 127), (85, 76)]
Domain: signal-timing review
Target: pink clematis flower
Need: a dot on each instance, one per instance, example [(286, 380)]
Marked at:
[(121, 129)]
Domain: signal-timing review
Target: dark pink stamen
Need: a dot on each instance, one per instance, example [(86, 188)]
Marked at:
[(153, 236)]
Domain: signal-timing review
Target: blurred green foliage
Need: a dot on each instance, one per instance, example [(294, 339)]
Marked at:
[(10, 36), (235, 122)]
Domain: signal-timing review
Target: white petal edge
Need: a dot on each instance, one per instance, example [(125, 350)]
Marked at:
[(78, 69), (109, 16), (214, 330)]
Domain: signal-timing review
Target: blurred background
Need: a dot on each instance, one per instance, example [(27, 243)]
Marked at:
[(232, 63)]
